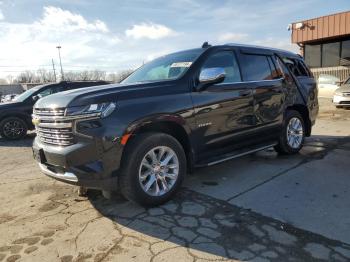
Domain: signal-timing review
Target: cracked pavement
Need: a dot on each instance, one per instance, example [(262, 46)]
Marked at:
[(261, 207)]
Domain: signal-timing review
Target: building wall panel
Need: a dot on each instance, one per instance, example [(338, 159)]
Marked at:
[(331, 26)]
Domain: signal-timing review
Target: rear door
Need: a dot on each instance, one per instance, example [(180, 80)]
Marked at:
[(305, 78), (223, 111), (259, 71)]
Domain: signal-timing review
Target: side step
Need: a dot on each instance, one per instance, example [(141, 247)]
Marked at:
[(235, 154)]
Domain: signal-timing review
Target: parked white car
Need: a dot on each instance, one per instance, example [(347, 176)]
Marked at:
[(327, 84), (8, 98), (342, 95)]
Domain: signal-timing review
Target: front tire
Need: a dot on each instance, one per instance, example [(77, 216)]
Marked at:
[(13, 128), (292, 135), (153, 169)]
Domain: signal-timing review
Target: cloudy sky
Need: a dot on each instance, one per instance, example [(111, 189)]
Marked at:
[(113, 35)]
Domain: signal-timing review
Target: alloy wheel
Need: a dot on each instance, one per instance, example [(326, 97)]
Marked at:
[(295, 132), (13, 129), (158, 171)]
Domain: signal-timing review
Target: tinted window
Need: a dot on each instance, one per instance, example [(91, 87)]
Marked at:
[(276, 73), (302, 63), (226, 60), (330, 54), (313, 55), (255, 68), (284, 69), (296, 66)]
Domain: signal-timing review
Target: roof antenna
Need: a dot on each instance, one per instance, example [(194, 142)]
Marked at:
[(205, 45)]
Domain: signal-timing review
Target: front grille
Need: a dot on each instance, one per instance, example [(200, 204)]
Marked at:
[(344, 102), (49, 111), (52, 127)]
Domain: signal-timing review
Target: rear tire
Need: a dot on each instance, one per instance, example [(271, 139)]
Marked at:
[(153, 168), (292, 135), (13, 128)]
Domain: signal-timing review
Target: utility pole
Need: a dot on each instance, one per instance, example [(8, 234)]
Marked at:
[(59, 55), (54, 71)]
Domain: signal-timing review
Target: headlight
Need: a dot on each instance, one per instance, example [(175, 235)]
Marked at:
[(102, 109), (338, 93)]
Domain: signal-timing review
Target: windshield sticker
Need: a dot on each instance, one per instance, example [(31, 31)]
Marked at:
[(181, 64)]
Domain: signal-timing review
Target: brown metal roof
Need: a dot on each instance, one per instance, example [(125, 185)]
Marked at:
[(324, 27)]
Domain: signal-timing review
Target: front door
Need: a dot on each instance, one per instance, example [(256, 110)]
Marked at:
[(222, 111)]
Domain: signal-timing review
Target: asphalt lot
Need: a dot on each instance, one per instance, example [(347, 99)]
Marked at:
[(261, 207)]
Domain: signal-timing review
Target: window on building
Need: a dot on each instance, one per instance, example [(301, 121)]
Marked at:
[(345, 53), (313, 55), (255, 68), (330, 54)]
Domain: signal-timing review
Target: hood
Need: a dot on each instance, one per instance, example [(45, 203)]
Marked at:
[(343, 88), (92, 95), (12, 104)]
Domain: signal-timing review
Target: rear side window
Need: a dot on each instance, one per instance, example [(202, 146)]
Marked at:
[(296, 66), (226, 60), (255, 68)]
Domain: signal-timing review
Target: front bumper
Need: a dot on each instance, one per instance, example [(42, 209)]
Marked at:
[(341, 100), (91, 163)]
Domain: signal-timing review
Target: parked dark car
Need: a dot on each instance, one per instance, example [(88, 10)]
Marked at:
[(16, 116), (189, 109)]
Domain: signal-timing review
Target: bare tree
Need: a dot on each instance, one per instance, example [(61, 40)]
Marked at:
[(120, 76), (26, 77), (47, 76)]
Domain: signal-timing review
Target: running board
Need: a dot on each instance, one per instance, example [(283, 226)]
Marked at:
[(238, 154)]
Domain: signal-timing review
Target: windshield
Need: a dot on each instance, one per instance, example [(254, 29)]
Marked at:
[(167, 67), (25, 95)]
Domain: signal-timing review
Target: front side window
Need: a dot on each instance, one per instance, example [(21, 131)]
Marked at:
[(167, 67), (227, 61), (256, 68)]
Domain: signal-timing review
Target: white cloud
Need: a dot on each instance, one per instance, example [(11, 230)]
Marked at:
[(57, 18), (232, 37), (149, 30), (34, 43)]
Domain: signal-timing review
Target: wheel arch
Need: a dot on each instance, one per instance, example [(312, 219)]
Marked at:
[(172, 125)]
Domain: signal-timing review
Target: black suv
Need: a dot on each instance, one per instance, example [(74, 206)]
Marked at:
[(15, 116), (189, 109)]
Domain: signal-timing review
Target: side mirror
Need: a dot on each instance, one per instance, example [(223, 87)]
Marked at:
[(35, 98), (210, 76)]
